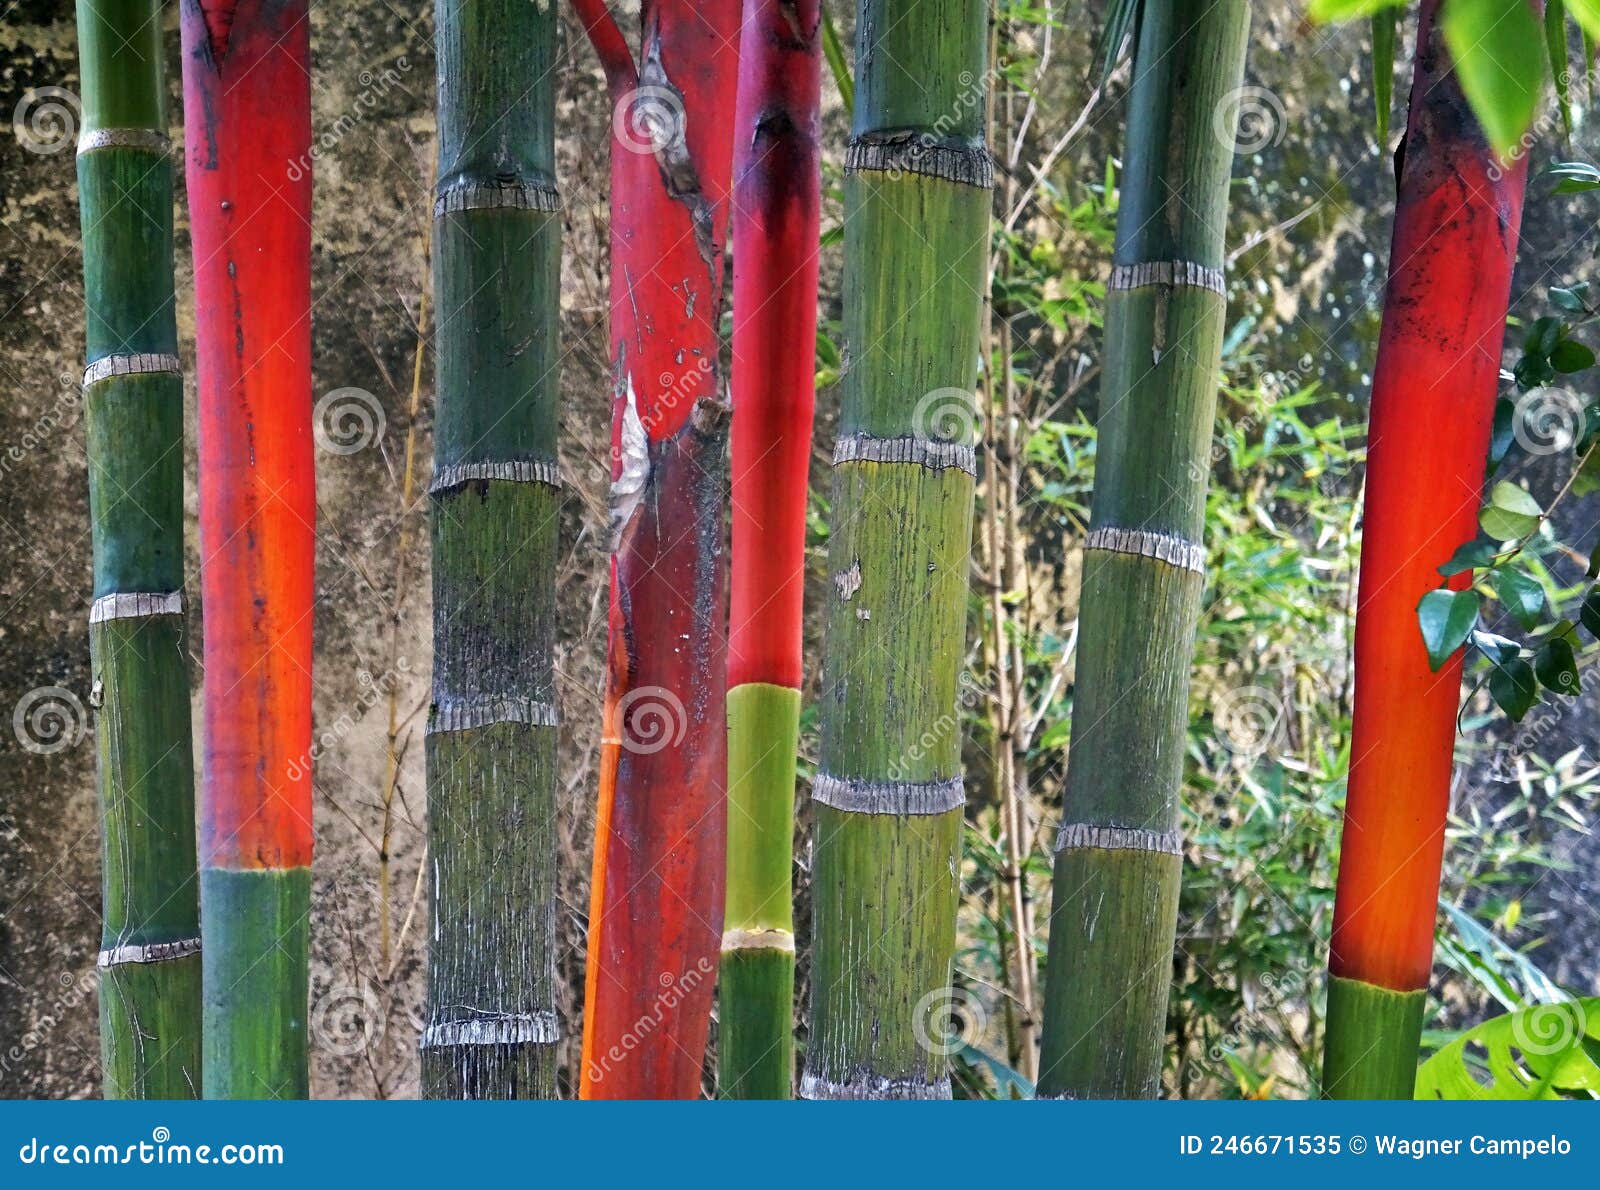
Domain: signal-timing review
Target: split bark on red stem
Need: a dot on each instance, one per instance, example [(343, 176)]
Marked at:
[(655, 919)]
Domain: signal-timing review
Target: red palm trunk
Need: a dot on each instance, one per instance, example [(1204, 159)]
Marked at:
[(655, 917), (1457, 217), (247, 103)]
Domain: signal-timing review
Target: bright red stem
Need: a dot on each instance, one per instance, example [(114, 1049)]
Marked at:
[(655, 918), (1456, 222), (776, 203), (247, 103)]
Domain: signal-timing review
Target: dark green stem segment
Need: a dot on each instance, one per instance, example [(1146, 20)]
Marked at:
[(492, 728), (1374, 1039), (888, 794), (256, 974), (150, 950), (755, 1041), (1118, 858)]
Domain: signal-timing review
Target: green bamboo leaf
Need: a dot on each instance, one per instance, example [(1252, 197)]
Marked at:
[(1511, 513), (1326, 11), (1587, 14), (1555, 35), (1522, 595), (1447, 618), (1383, 71), (1544, 1051), (833, 51), (1513, 687), (1575, 177), (1122, 22), (1494, 45)]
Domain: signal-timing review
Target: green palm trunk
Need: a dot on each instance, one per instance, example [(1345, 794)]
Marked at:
[(1119, 853), (150, 958), (888, 794), (492, 728)]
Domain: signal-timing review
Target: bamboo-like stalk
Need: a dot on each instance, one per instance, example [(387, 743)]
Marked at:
[(150, 947), (656, 900), (888, 793), (1458, 213), (492, 728), (776, 212), (247, 102), (1119, 854)]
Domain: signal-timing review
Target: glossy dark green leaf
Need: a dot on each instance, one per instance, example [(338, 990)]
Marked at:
[(1556, 666), (1511, 513), (1473, 555), (1446, 619), (1589, 614), (1496, 648), (1513, 687), (1522, 595), (1571, 356)]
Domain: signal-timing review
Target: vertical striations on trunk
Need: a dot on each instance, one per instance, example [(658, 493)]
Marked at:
[(888, 794), (133, 391), (1457, 216), (247, 99), (776, 212), (1119, 852), (656, 899), (493, 725)]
